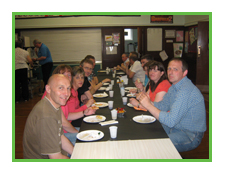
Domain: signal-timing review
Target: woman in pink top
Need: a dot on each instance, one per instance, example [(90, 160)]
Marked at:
[(158, 85)]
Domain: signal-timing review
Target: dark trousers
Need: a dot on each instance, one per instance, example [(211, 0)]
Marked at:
[(21, 80), (46, 71)]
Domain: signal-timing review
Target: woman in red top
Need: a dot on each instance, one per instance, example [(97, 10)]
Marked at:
[(158, 84)]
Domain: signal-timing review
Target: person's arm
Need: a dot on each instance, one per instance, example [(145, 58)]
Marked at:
[(75, 115), (159, 96), (147, 104), (130, 73), (67, 125), (96, 87), (40, 58), (30, 60), (57, 156), (66, 144), (88, 94), (122, 67)]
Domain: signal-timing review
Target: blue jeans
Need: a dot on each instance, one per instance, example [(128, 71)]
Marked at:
[(72, 136), (184, 140)]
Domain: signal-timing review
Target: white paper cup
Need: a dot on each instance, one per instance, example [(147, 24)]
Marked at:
[(122, 91), (112, 82), (110, 87), (110, 103), (113, 131), (111, 93), (114, 114), (126, 81), (124, 100)]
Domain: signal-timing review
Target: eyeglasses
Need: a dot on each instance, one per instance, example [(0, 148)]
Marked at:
[(87, 68)]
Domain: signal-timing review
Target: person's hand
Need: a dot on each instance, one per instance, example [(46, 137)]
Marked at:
[(83, 98), (90, 102), (127, 63), (134, 102), (35, 49), (106, 80), (34, 59), (144, 100), (89, 111), (139, 85), (118, 67)]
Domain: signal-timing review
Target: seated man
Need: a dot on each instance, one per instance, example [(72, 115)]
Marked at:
[(84, 91), (144, 59), (136, 71), (182, 111), (125, 60), (92, 78), (43, 134)]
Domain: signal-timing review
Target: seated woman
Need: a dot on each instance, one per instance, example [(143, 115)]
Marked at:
[(77, 82), (158, 84), (71, 111)]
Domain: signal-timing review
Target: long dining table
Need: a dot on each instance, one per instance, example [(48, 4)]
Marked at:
[(134, 140)]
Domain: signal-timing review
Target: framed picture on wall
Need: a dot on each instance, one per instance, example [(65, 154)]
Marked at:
[(192, 39), (179, 36), (169, 33), (178, 49)]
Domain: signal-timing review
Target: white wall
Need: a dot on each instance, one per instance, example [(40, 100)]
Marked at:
[(193, 19)]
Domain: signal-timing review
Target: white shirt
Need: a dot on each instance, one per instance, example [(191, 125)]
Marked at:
[(139, 72), (21, 58), (126, 61)]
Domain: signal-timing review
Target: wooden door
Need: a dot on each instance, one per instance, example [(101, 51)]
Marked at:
[(202, 72), (112, 52)]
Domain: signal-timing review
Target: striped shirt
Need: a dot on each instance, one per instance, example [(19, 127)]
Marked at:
[(183, 107)]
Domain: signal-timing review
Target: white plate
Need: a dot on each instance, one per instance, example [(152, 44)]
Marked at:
[(100, 95), (105, 84), (101, 104), (120, 73), (144, 119), (130, 105), (102, 88), (131, 95), (129, 88), (102, 71), (90, 135), (94, 119)]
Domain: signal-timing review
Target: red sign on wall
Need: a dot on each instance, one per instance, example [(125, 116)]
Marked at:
[(161, 19)]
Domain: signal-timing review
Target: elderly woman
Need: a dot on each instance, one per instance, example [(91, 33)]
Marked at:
[(158, 84), (21, 67)]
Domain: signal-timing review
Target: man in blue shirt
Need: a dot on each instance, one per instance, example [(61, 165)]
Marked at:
[(182, 111), (44, 58)]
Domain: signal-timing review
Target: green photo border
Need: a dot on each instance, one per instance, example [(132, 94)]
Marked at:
[(112, 13)]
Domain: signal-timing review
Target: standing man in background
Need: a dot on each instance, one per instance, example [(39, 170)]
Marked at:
[(44, 58)]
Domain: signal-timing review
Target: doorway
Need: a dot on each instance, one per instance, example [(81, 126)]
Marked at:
[(130, 40)]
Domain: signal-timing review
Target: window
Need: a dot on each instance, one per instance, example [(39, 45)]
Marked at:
[(128, 34)]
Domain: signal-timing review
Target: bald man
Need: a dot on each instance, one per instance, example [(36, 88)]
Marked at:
[(43, 134)]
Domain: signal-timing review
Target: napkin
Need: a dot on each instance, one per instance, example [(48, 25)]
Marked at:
[(140, 109), (107, 89), (110, 122)]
